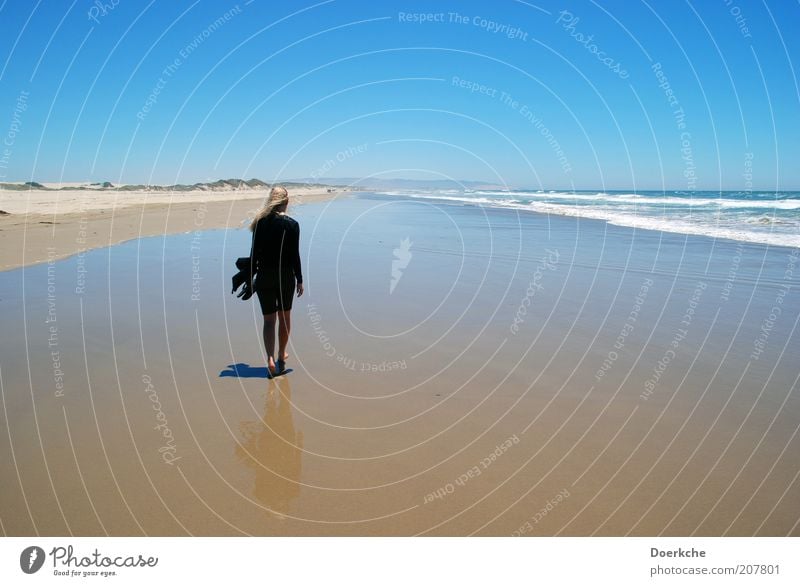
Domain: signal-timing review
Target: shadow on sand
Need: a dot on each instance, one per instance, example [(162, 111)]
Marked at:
[(242, 370)]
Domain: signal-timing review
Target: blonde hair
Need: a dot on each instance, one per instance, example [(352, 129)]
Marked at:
[(277, 201)]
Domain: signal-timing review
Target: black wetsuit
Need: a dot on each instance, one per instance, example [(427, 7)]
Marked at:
[(275, 258)]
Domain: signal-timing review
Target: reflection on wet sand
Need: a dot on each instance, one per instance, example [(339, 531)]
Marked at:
[(273, 449)]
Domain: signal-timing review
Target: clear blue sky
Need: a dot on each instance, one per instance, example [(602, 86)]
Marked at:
[(352, 88)]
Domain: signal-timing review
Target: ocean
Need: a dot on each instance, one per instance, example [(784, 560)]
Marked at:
[(758, 217)]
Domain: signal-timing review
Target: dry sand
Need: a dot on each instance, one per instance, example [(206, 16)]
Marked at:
[(41, 225)]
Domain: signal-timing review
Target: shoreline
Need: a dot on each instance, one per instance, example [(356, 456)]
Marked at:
[(70, 223), (60, 229), (615, 362), (763, 225)]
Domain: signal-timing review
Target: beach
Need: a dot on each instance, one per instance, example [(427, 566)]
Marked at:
[(457, 369), (38, 225)]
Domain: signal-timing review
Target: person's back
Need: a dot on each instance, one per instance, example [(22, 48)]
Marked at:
[(276, 250)]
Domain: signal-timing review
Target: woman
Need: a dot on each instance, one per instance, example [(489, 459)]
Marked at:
[(275, 260)]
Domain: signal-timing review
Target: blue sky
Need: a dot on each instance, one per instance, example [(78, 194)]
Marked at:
[(353, 88)]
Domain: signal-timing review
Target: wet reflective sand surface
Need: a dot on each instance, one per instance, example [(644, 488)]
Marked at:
[(455, 371)]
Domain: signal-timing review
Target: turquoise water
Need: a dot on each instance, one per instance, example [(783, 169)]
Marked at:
[(761, 217)]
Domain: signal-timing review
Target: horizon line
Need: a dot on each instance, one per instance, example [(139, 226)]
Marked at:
[(353, 181)]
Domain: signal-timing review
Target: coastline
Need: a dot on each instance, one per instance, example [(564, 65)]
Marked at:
[(42, 226), (642, 387)]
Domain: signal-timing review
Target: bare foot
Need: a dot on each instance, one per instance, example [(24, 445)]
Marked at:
[(271, 366), (285, 356)]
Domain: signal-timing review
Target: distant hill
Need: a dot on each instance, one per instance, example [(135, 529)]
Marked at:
[(22, 186), (377, 184), (219, 185)]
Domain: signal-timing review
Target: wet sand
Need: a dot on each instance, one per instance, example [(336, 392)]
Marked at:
[(509, 374), (40, 225)]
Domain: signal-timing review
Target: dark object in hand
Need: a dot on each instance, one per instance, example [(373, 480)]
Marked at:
[(243, 279), (246, 292)]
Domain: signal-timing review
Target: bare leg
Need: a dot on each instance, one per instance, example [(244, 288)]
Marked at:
[(284, 327), (269, 340)]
